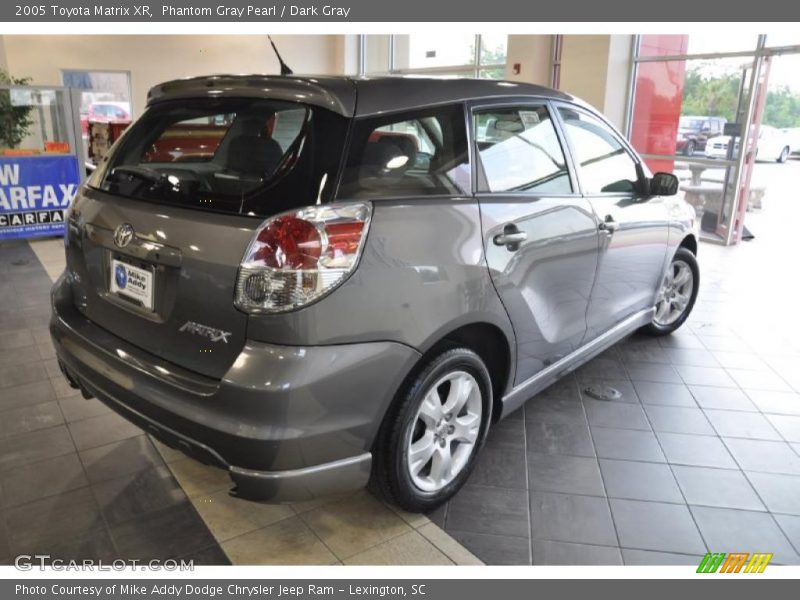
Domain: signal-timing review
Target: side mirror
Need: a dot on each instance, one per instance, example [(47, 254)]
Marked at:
[(663, 184)]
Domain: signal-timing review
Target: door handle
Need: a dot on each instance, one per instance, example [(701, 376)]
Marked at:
[(609, 225), (511, 238)]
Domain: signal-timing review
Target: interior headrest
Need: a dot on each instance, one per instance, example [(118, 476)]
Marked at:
[(254, 155)]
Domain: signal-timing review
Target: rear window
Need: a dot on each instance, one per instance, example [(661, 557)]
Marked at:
[(229, 155), (420, 153)]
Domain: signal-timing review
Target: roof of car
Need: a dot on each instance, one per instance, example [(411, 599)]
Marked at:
[(350, 96)]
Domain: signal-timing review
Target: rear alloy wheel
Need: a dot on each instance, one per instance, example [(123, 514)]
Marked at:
[(784, 155), (428, 444), (677, 294)]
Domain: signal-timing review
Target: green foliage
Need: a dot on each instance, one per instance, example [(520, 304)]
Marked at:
[(717, 96), (15, 121)]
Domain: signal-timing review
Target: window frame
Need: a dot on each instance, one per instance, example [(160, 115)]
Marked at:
[(356, 121), (521, 102), (634, 156)]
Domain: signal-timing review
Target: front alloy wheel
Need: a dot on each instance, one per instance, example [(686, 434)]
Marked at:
[(677, 294)]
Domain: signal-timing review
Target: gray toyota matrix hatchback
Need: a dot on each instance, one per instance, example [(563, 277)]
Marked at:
[(319, 282)]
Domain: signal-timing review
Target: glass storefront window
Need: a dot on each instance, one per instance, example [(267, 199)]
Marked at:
[(493, 49), (377, 53), (424, 51), (783, 39)]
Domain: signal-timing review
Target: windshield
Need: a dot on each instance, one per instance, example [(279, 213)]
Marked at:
[(691, 123), (230, 155)]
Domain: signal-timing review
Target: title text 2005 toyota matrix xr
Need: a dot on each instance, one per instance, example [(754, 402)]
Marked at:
[(320, 282)]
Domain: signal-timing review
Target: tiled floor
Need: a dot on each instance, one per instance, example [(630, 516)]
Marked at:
[(71, 469), (701, 453)]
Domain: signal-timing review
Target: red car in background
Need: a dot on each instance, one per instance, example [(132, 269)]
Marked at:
[(105, 112)]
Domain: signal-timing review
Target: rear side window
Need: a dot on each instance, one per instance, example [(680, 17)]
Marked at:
[(604, 165), (422, 153), (229, 155), (520, 151)]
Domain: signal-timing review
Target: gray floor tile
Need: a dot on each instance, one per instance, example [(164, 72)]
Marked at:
[(690, 357), (19, 356), (724, 488), (740, 360), (565, 388), (560, 553), (759, 380), (133, 496), (500, 466), (495, 549), (565, 474), (601, 368), (787, 426), (120, 458), (570, 518), (19, 338), (713, 376), (36, 392), (764, 456), (22, 374), (627, 444), (682, 338), (754, 426), (790, 525), (556, 438), (695, 450), (648, 557), (779, 403), (52, 519), (48, 478), (616, 414), (78, 408), (173, 531), (781, 493), (755, 531), (30, 418), (35, 446), (652, 372), (548, 409), (721, 398), (677, 419), (639, 481), (656, 526), (483, 509), (671, 394), (99, 431)]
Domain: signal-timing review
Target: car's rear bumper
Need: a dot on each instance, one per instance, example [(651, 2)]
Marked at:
[(287, 423)]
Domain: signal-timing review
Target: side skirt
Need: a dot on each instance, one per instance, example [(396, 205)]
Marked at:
[(549, 375)]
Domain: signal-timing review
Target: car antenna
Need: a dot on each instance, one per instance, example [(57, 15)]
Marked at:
[(285, 70)]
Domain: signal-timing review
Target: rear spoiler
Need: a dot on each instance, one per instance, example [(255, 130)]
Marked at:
[(337, 94)]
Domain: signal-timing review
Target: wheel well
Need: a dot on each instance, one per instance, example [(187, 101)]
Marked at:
[(690, 243), (488, 342)]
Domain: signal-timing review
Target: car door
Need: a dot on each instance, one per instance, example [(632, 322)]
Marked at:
[(540, 235), (633, 226)]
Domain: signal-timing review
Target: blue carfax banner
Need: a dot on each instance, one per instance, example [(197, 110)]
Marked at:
[(35, 191)]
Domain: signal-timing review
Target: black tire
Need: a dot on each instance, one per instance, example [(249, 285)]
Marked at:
[(391, 476), (690, 148), (784, 155), (657, 329)]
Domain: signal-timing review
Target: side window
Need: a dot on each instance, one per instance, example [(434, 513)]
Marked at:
[(604, 164), (411, 154), (520, 151)]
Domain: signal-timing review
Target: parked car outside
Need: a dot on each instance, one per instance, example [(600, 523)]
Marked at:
[(105, 112), (346, 292), (773, 145), (694, 132)]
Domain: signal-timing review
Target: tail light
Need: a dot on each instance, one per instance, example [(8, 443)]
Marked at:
[(296, 258)]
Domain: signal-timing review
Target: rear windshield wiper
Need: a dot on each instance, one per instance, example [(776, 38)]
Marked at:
[(145, 173)]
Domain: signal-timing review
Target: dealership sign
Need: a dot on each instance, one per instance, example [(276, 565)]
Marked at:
[(35, 192)]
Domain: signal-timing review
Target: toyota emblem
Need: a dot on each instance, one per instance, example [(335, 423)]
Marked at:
[(123, 235)]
